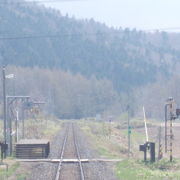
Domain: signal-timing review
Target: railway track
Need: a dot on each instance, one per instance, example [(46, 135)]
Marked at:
[(66, 161), (70, 150)]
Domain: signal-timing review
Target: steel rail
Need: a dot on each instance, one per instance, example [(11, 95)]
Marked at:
[(62, 154), (78, 154)]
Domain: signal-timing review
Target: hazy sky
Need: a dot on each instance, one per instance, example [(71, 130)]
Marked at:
[(141, 14)]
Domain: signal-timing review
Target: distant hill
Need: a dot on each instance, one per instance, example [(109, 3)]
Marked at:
[(129, 58)]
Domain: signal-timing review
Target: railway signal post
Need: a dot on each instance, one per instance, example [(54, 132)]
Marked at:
[(171, 115)]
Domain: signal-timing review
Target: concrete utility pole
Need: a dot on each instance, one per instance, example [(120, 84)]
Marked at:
[(4, 105)]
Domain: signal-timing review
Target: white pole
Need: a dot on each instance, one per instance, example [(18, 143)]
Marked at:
[(145, 124)]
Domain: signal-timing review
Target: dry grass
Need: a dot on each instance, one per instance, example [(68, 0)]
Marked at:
[(113, 143), (44, 128)]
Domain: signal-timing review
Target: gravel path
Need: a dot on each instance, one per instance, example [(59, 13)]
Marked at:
[(92, 170)]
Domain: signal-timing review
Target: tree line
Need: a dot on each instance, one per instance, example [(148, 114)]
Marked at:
[(66, 95)]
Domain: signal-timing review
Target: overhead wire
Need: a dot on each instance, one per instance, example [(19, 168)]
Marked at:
[(38, 2), (38, 36), (162, 29), (28, 37)]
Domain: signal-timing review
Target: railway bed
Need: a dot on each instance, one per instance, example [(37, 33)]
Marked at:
[(71, 158)]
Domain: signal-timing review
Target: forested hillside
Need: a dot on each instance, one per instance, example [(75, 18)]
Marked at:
[(82, 67), (32, 35)]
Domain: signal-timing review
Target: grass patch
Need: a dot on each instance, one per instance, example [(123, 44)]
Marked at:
[(11, 170), (102, 140), (106, 153), (138, 170), (135, 135), (135, 123), (21, 176), (39, 128), (114, 145), (42, 128)]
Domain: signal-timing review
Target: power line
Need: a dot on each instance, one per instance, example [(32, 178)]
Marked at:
[(37, 2), (163, 29), (51, 36), (31, 37)]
